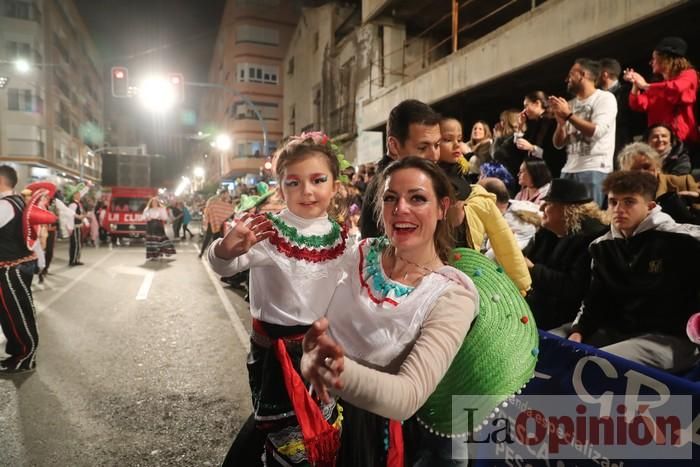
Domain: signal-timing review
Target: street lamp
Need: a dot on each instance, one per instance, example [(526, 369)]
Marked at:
[(157, 94), (22, 65), (223, 142), (198, 172)]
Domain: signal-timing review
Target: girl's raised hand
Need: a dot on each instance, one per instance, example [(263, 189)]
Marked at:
[(247, 231)]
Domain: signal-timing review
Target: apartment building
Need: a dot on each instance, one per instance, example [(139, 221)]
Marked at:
[(248, 61), (51, 106)]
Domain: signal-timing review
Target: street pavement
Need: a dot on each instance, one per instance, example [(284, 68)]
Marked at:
[(139, 364)]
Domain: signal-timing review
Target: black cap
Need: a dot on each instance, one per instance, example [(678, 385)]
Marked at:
[(672, 46), (565, 191)]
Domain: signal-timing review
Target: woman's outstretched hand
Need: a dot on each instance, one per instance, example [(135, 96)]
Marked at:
[(323, 360), (248, 231)]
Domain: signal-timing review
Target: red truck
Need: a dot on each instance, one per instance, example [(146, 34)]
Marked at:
[(124, 217)]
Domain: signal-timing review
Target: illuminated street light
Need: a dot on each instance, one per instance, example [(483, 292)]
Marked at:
[(198, 172), (157, 94), (223, 142), (3, 81), (184, 183), (22, 65)]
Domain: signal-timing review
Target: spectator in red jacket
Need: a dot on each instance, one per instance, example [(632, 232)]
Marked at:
[(670, 101)]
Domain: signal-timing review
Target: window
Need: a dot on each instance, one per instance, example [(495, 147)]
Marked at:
[(292, 117), (22, 100), (19, 50), (61, 49), (249, 148), (61, 84), (257, 35), (315, 41), (253, 73), (20, 9), (63, 119), (290, 66), (243, 111)]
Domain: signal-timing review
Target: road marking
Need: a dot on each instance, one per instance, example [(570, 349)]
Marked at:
[(238, 327), (58, 293), (148, 276), (145, 286)]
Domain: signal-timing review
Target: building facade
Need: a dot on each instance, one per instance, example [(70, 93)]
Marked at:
[(248, 61), (339, 62), (470, 59), (51, 112)]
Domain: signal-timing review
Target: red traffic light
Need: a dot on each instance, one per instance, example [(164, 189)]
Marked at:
[(178, 82), (120, 81)]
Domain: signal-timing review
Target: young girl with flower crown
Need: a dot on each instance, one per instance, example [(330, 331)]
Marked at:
[(294, 261)]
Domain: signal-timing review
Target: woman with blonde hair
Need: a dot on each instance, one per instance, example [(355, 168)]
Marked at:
[(157, 243), (678, 195), (479, 148), (508, 130), (559, 260)]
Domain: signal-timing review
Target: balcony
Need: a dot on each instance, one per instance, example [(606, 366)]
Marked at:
[(239, 166), (342, 121)]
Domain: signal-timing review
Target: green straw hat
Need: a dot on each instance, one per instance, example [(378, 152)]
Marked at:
[(496, 359), (70, 190), (249, 202)]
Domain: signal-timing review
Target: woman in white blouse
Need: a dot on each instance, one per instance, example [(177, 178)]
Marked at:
[(157, 243), (398, 316)]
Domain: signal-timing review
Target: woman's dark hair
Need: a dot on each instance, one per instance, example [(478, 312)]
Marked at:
[(674, 138), (541, 97), (295, 151), (442, 188), (538, 171)]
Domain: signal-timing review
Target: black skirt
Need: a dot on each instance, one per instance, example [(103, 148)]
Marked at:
[(157, 243)]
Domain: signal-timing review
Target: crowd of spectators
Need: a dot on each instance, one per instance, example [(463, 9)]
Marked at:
[(583, 205), (619, 203)]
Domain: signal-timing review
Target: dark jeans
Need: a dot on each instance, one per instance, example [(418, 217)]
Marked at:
[(177, 223), (208, 238)]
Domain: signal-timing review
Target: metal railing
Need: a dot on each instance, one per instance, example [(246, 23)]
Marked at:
[(436, 45)]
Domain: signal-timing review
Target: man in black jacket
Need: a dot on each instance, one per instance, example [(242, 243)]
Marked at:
[(559, 262), (643, 280), (413, 129)]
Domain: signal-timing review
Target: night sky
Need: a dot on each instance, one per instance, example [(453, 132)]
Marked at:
[(156, 36)]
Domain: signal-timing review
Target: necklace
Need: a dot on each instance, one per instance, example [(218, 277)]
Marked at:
[(421, 267)]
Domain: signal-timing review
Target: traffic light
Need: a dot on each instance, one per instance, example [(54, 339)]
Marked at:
[(120, 81), (177, 81)]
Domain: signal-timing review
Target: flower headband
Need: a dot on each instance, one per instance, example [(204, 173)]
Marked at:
[(321, 139)]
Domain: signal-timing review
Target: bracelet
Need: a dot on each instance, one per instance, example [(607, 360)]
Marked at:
[(569, 116)]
